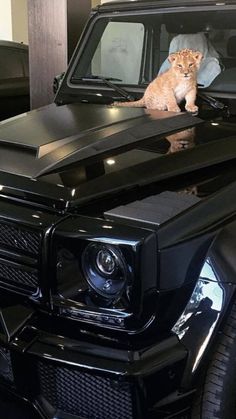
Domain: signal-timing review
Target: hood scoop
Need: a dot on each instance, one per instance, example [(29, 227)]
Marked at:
[(45, 130), (38, 150), (25, 132)]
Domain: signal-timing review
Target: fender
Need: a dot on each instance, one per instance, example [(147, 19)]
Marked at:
[(213, 293)]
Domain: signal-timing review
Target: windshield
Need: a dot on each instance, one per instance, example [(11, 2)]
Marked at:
[(132, 50)]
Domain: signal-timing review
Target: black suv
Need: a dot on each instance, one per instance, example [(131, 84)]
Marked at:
[(14, 79), (118, 229)]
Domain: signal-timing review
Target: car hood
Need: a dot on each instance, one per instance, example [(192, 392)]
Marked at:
[(54, 139)]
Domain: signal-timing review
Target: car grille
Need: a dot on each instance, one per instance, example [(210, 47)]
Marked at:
[(25, 279), (19, 238), (82, 394), (19, 258)]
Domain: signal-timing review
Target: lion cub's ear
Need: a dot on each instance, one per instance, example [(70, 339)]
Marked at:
[(172, 57), (198, 56)]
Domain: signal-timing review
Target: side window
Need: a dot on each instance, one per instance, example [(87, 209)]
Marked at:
[(165, 39), (119, 53), (10, 63)]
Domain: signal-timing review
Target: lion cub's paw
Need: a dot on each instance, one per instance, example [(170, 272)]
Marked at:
[(192, 109)]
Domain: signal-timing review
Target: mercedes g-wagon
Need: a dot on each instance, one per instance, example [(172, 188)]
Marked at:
[(118, 228)]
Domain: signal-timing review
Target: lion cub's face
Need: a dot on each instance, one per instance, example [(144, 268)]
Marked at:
[(185, 63)]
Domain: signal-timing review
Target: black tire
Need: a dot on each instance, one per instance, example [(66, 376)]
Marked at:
[(217, 397)]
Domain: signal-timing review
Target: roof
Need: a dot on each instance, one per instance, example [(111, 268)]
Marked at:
[(13, 44), (145, 4)]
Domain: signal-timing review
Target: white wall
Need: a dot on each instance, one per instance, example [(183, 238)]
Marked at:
[(94, 3), (14, 20), (5, 20), (19, 21)]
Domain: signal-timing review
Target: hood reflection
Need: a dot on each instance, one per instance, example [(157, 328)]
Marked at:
[(182, 140)]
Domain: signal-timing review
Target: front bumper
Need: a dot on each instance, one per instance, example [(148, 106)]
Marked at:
[(75, 378)]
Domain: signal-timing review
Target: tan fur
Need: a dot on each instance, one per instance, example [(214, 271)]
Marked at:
[(181, 140), (170, 88)]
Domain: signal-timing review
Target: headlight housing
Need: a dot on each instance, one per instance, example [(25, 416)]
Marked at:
[(105, 269), (104, 272)]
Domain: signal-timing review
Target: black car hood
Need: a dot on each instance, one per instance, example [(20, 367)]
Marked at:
[(52, 138), (39, 149)]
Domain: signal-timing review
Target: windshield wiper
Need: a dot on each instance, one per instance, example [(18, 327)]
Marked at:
[(109, 82), (214, 103)]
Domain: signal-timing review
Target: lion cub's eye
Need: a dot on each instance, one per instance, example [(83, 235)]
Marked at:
[(191, 64), (180, 65)]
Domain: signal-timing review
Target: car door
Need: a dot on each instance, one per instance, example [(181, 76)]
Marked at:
[(14, 81)]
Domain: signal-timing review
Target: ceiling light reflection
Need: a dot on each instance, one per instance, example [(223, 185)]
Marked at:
[(110, 162)]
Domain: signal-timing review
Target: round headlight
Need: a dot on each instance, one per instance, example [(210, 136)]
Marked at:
[(106, 261), (105, 269)]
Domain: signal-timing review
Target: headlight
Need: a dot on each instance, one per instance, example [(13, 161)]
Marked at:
[(105, 273), (105, 269)]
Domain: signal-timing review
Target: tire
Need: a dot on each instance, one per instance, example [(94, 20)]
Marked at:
[(217, 397)]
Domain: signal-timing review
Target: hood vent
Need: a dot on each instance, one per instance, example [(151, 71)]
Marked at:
[(154, 210)]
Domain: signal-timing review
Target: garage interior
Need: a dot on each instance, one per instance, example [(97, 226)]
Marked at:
[(51, 31)]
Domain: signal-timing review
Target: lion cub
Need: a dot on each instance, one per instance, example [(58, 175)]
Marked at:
[(171, 87)]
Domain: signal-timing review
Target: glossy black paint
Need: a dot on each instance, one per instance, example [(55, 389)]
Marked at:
[(52, 138), (134, 311), (148, 347), (76, 185), (14, 79)]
